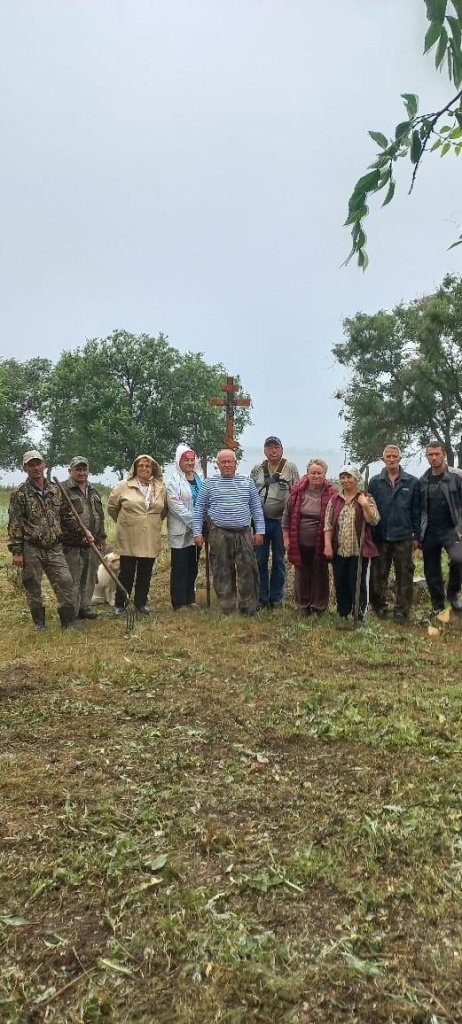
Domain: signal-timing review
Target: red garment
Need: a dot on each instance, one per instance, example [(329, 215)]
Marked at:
[(338, 503), (294, 504)]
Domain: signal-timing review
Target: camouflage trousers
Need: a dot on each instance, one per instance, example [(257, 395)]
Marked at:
[(234, 569), (83, 565), (52, 562), (398, 552)]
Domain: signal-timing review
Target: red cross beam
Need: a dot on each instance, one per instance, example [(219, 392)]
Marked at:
[(231, 403)]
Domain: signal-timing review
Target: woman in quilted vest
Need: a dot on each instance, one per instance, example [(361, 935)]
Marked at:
[(345, 516), (303, 532)]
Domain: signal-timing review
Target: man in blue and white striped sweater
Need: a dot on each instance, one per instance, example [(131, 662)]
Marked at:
[(230, 502)]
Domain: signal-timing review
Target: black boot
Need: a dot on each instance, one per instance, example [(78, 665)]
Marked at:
[(68, 618), (38, 618)]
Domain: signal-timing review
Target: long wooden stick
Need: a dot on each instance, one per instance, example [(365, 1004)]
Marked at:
[(206, 543), (91, 544), (360, 556)]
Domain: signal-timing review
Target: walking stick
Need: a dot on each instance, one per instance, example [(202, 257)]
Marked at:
[(360, 557), (206, 542), (129, 607)]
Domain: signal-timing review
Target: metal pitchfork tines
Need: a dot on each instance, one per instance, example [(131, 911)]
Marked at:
[(129, 606)]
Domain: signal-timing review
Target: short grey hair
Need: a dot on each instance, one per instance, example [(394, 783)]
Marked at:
[(317, 462), (395, 446)]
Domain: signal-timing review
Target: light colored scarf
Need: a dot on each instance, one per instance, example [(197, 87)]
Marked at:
[(147, 490)]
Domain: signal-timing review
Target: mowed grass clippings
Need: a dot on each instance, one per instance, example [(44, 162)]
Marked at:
[(228, 820)]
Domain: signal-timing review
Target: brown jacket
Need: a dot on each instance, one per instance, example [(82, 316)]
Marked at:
[(138, 529)]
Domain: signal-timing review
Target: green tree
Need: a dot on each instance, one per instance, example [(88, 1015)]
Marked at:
[(21, 390), (406, 375), (435, 131), (126, 394)]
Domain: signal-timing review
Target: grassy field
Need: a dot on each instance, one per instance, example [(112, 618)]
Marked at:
[(228, 821)]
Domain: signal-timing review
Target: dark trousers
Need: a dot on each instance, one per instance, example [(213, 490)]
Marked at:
[(345, 572), (399, 553), (183, 572), (234, 569), (271, 586), (432, 549), (129, 566), (312, 581)]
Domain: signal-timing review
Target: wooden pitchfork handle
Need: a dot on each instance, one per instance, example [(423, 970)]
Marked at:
[(360, 556), (91, 543)]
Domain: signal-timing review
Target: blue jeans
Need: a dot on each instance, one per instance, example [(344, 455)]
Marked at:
[(271, 587)]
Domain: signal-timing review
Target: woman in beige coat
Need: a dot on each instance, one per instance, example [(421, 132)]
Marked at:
[(138, 505)]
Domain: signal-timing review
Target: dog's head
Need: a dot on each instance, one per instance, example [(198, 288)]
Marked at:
[(113, 559)]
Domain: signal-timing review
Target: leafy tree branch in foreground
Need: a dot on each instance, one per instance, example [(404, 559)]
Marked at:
[(417, 134)]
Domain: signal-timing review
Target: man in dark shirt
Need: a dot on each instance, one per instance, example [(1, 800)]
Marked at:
[(397, 498), (441, 525)]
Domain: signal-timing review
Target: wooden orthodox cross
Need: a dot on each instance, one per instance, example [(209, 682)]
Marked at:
[(231, 403)]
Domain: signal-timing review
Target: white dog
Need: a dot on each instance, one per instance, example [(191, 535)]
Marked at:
[(105, 588)]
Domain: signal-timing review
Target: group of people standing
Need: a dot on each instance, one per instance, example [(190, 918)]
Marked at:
[(252, 524)]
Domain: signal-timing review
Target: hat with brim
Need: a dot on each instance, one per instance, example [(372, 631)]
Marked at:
[(28, 456), (78, 460), (351, 471)]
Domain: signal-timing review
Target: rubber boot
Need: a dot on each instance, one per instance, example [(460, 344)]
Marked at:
[(38, 618), (68, 619)]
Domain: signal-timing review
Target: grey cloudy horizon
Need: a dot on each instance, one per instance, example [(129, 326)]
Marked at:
[(185, 168)]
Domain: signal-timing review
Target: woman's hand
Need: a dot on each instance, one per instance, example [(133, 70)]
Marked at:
[(328, 550)]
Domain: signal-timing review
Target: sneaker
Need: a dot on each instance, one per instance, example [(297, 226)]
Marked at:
[(39, 627), (456, 604), (400, 618), (143, 610), (118, 612), (382, 613), (85, 613)]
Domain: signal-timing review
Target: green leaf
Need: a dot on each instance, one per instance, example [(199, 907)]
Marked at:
[(458, 114), (380, 139), (357, 215), (456, 63), (436, 9), (459, 242), (455, 30), (457, 149), (363, 259), (416, 147), (158, 863), (436, 145), (390, 193), (445, 149), (456, 133), (112, 965), (368, 182), (13, 922), (411, 102), (402, 130), (441, 48), (432, 35)]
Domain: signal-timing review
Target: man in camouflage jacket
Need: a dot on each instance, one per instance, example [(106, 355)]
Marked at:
[(80, 557), (34, 539)]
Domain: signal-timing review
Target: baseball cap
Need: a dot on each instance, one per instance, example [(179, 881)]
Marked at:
[(78, 460), (28, 456), (272, 439)]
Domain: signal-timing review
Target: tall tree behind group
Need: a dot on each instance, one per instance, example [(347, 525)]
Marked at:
[(405, 381), (117, 397), (21, 392)]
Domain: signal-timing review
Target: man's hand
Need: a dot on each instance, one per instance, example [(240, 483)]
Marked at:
[(89, 537), (328, 550), (415, 545), (199, 540), (258, 539), (18, 560)]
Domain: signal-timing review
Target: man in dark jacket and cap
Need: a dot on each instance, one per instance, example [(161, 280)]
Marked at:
[(441, 526), (80, 557)]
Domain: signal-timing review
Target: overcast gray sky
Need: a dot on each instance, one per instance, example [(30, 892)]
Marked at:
[(184, 166)]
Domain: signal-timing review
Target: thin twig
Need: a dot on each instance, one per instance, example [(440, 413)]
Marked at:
[(433, 119)]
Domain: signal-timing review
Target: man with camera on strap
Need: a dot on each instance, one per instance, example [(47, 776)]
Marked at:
[(273, 479)]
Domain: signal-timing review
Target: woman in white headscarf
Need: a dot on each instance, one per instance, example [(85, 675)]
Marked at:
[(138, 505), (182, 490)]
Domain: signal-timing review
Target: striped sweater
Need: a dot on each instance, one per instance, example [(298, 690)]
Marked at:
[(229, 502)]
